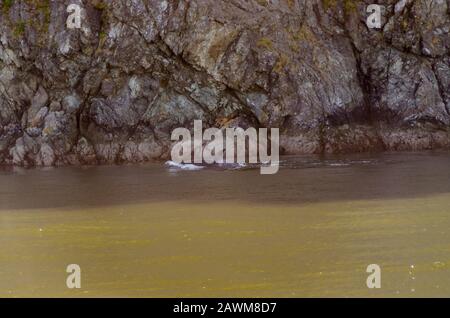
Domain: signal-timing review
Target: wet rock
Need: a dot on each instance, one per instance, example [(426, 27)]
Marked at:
[(140, 152), (85, 151), (24, 151), (46, 156)]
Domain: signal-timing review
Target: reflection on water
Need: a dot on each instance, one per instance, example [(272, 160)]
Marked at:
[(310, 230)]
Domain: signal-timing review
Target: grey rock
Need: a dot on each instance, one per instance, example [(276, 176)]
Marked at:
[(35, 115), (85, 151), (46, 156), (115, 89), (71, 104)]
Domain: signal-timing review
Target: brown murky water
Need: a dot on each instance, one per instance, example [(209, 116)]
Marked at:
[(311, 230)]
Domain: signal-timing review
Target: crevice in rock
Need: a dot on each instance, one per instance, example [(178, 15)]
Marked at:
[(441, 90)]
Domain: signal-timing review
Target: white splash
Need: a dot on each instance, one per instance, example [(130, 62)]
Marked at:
[(185, 166)]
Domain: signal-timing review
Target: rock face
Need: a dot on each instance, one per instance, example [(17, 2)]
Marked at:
[(113, 90)]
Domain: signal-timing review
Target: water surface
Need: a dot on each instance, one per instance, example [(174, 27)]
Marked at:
[(150, 231)]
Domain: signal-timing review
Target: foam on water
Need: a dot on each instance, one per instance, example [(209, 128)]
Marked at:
[(183, 166)]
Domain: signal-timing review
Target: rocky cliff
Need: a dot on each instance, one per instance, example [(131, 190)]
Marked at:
[(114, 90)]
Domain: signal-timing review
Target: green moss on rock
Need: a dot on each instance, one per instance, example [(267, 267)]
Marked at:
[(19, 29), (6, 5)]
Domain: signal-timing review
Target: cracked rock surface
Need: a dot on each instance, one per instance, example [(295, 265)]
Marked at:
[(113, 91)]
